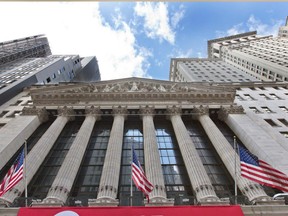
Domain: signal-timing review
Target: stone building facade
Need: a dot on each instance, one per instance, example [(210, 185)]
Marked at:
[(80, 136)]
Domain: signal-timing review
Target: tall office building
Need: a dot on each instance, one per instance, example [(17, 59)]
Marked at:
[(264, 57), (27, 61), (29, 47), (283, 30), (206, 70)]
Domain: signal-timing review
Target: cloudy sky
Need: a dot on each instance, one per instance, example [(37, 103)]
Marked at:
[(137, 38)]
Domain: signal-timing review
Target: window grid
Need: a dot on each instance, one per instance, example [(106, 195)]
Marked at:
[(213, 165), (175, 174), (132, 136), (89, 174), (42, 181)]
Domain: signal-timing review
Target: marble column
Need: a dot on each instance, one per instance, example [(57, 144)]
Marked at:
[(153, 167), (38, 153), (63, 182), (248, 188), (16, 131), (108, 188), (199, 179), (257, 140)]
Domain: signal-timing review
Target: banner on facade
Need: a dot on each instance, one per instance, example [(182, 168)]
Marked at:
[(135, 211)]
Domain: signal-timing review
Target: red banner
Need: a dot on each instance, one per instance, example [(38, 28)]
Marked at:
[(134, 211)]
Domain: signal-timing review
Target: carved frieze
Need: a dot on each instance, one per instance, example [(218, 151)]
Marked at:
[(131, 89)]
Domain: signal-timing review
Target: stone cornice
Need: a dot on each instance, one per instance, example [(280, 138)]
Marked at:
[(132, 89)]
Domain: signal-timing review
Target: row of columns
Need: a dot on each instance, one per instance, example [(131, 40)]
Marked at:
[(108, 189)]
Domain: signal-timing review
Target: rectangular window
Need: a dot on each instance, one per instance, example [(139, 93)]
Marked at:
[(267, 110), (275, 97), (284, 133), (248, 97), (3, 113), (264, 96), (238, 97), (283, 121), (254, 109), (271, 122), (285, 109), (14, 114)]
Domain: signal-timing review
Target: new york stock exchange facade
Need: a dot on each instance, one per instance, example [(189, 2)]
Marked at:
[(79, 139)]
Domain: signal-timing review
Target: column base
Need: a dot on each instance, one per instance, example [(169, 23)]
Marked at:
[(159, 201), (214, 201), (4, 203), (47, 203), (103, 201), (269, 201)]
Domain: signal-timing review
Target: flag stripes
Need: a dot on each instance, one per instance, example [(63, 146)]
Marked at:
[(261, 172), (139, 177), (14, 174)]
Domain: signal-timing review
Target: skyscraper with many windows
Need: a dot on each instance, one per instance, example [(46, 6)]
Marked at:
[(264, 57), (27, 61)]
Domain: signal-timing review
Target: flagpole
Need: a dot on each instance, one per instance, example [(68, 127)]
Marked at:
[(235, 168), (131, 185), (25, 175)]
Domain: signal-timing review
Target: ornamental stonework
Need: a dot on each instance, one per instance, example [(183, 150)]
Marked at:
[(174, 110), (147, 110), (233, 109), (119, 110), (131, 90), (199, 111), (93, 111), (40, 112), (67, 112)]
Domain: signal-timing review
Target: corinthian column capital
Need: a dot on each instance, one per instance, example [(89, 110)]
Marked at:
[(147, 110), (120, 111), (199, 111), (67, 112), (40, 112), (233, 109), (174, 110), (93, 111)]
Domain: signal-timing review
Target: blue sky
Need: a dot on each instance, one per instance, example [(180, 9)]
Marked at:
[(137, 38)]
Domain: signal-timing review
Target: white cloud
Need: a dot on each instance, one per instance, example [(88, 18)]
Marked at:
[(178, 53), (78, 28), (156, 20), (253, 24), (236, 29), (177, 16), (262, 28)]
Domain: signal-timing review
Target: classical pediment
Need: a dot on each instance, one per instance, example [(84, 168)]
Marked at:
[(127, 89)]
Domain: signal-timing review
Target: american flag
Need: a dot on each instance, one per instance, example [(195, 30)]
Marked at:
[(139, 177), (261, 172), (14, 175)]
